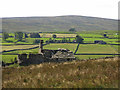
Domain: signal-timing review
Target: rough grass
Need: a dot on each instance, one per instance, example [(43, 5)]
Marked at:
[(102, 73), (81, 57)]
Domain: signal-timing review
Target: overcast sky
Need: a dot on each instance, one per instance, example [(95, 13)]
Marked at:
[(24, 8)]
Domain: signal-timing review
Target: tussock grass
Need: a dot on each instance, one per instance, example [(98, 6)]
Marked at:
[(102, 73)]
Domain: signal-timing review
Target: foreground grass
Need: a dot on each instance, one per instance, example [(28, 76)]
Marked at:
[(102, 73)]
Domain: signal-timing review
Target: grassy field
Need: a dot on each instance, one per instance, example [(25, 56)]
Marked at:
[(8, 58), (89, 37), (109, 41), (96, 48), (101, 73), (49, 35), (83, 48), (71, 47), (17, 47)]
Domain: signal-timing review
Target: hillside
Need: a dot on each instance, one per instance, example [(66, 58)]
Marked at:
[(58, 23), (101, 73)]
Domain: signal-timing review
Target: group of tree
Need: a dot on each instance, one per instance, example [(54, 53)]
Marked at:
[(36, 41), (19, 36), (72, 30), (34, 35), (5, 35), (78, 39), (54, 36), (105, 35)]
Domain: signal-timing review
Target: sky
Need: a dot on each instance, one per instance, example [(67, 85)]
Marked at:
[(27, 8)]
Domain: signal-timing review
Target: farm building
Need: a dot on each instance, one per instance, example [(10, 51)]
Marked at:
[(45, 55), (99, 42)]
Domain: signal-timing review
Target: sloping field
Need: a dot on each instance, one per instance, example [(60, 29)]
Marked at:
[(54, 46), (96, 48), (101, 73), (8, 58), (16, 47), (109, 41), (69, 46)]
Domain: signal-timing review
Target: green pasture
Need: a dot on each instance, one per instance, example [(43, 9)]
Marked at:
[(96, 48), (3, 44), (34, 51), (109, 41), (83, 48), (6, 48), (8, 58), (55, 46), (110, 32), (116, 47), (91, 35)]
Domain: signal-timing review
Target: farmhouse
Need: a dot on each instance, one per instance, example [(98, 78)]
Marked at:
[(45, 55)]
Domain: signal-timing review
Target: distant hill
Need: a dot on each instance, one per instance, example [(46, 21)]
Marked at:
[(58, 23)]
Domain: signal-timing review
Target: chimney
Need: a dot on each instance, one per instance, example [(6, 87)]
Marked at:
[(40, 47)]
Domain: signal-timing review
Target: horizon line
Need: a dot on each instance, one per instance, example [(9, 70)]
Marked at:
[(56, 16)]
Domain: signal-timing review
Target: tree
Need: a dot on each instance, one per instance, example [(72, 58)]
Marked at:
[(36, 41), (64, 40), (26, 36), (69, 40), (54, 36), (34, 35), (19, 36), (5, 35), (72, 30), (79, 39)]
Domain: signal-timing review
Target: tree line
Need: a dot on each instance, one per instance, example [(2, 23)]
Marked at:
[(20, 35)]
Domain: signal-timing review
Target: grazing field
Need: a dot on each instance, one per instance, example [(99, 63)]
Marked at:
[(8, 58), (108, 41), (101, 73), (34, 51), (95, 48), (91, 35), (49, 35), (69, 46), (5, 48), (88, 36)]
